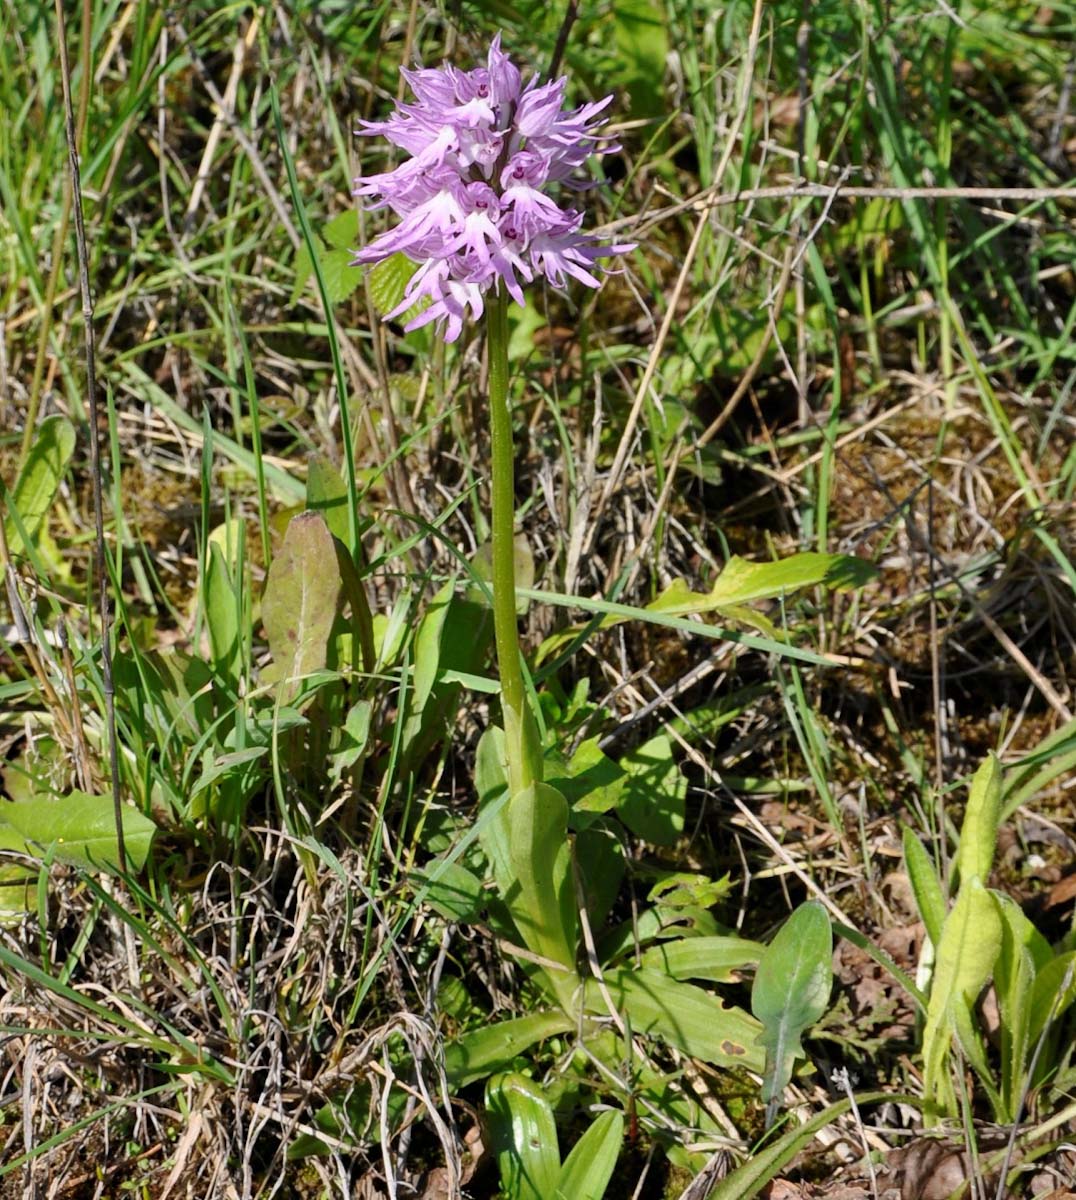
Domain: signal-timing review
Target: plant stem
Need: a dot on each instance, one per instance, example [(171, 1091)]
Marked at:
[(521, 743)]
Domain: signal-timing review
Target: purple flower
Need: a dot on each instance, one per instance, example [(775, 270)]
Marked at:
[(473, 201)]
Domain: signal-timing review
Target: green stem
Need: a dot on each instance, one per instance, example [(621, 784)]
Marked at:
[(521, 743)]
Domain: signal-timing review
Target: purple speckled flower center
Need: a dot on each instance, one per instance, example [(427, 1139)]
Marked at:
[(473, 204)]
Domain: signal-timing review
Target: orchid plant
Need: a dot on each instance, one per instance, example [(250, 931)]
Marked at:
[(479, 216)]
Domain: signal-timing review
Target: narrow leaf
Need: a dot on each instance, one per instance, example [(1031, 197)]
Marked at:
[(978, 835), (761, 1167), (588, 1169), (925, 886)]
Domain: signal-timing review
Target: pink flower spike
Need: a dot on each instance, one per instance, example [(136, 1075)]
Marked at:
[(473, 199)]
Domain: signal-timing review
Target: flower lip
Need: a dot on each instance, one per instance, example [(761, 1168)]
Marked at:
[(474, 202)]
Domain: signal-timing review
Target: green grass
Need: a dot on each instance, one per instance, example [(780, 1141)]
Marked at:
[(322, 942)]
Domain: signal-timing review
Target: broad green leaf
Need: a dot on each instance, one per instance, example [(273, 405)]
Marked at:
[(523, 1137), (388, 281), (451, 890), (925, 886), (340, 274), (539, 890), (326, 493), (790, 993), (762, 1166), (301, 597), (686, 1016), (18, 882), (335, 259), (979, 832), (39, 479), (591, 782), (82, 828), (587, 1170), (717, 959), (599, 851), (493, 1048), (652, 801), (969, 948), (1053, 991), (342, 231)]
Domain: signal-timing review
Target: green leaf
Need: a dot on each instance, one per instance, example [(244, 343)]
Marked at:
[(326, 493), (427, 647), (588, 1169), (301, 597), (591, 782), (340, 274), (925, 885), (539, 891), (523, 1137), (450, 889), (222, 610), (653, 799), (969, 947), (718, 959), (1053, 992), (389, 280), (790, 992), (342, 231), (978, 834), (763, 1165), (82, 829), (742, 582), (492, 1048), (39, 479), (1014, 974), (686, 1016), (335, 260), (18, 882)]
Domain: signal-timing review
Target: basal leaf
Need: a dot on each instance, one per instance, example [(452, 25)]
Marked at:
[(493, 1048), (925, 886), (523, 1136), (979, 832), (684, 1015), (326, 493), (539, 890), (969, 947), (451, 890), (790, 993), (301, 597), (653, 798), (742, 582), (82, 828), (588, 1169), (39, 479), (717, 959)]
